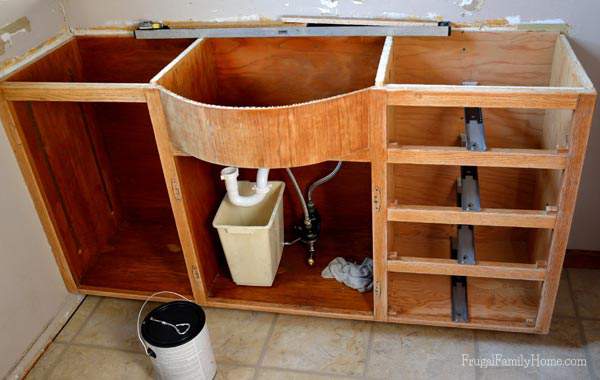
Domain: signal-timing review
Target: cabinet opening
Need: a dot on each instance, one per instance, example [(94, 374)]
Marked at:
[(488, 58), (496, 303), (103, 60), (492, 244), (99, 169), (344, 204), (265, 72), (505, 128), (500, 188)]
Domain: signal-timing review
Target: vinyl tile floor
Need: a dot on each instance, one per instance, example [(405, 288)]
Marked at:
[(100, 342)]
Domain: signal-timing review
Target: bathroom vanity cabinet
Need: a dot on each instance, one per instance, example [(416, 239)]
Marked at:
[(121, 142)]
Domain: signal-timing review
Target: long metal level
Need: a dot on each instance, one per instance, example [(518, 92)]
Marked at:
[(440, 29)]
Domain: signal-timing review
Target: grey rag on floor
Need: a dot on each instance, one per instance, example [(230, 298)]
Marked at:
[(355, 276)]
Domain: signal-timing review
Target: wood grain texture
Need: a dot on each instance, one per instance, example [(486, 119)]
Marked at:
[(281, 137), (483, 96), (486, 217), (74, 92), (142, 258), (320, 117), (580, 129), (487, 269), (432, 241), (178, 204), (380, 184), (41, 201), (508, 158), (491, 59), (426, 298), (500, 188), (442, 126), (297, 101), (299, 288)]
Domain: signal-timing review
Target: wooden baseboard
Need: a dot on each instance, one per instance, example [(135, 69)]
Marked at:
[(579, 258), (38, 347)]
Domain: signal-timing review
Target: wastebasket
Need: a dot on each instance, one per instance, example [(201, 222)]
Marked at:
[(252, 237)]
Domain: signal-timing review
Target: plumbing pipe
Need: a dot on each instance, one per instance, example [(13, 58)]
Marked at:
[(323, 180), (300, 196), (230, 175)]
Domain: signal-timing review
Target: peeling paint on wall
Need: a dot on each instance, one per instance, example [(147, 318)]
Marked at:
[(330, 6), (8, 31), (470, 6)]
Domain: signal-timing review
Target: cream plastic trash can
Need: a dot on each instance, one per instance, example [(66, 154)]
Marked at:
[(252, 237)]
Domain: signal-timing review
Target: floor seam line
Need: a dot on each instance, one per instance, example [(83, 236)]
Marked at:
[(582, 337), (369, 349), (263, 350)]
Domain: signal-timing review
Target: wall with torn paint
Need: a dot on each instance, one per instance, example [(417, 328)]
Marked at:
[(25, 24), (31, 290), (581, 15)]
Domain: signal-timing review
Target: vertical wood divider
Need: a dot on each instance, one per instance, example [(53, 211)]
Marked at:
[(378, 147), (578, 136), (169, 167)]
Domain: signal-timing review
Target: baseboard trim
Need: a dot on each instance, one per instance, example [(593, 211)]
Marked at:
[(580, 258), (46, 337)]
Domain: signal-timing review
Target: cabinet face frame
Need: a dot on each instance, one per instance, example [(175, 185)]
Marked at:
[(570, 89)]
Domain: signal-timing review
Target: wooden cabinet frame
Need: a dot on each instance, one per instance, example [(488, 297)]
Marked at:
[(183, 105)]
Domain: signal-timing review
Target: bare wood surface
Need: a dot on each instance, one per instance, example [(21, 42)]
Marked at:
[(489, 269), (40, 200), (580, 129), (483, 96), (510, 158), (486, 217), (74, 92)]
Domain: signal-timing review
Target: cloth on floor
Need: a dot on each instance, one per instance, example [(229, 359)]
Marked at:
[(355, 276)]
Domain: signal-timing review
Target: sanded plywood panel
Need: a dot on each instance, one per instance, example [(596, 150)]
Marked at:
[(491, 59)]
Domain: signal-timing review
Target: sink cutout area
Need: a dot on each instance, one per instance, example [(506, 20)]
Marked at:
[(264, 72)]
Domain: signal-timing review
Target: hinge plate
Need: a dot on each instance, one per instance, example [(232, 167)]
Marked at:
[(176, 189)]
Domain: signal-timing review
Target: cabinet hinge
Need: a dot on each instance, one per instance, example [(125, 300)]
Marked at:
[(176, 189), (377, 288), (377, 199), (195, 273)]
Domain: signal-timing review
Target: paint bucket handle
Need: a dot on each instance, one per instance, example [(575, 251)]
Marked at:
[(176, 327)]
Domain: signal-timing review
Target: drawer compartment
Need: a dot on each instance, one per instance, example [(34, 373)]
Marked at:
[(496, 303), (500, 188)]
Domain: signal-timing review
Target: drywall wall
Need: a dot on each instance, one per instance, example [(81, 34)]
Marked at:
[(581, 15), (31, 289)]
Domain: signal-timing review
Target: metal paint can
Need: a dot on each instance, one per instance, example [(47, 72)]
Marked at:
[(176, 339)]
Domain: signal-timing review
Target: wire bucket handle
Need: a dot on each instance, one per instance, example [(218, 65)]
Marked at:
[(180, 328)]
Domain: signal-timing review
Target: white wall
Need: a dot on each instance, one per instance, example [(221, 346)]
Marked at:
[(31, 289), (581, 15)]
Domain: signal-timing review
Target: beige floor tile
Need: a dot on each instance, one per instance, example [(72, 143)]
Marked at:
[(237, 336), (318, 344), (78, 319), (225, 372), (88, 363), (586, 291), (592, 336), (276, 374), (564, 306), (113, 324), (418, 352), (563, 342), (44, 365)]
